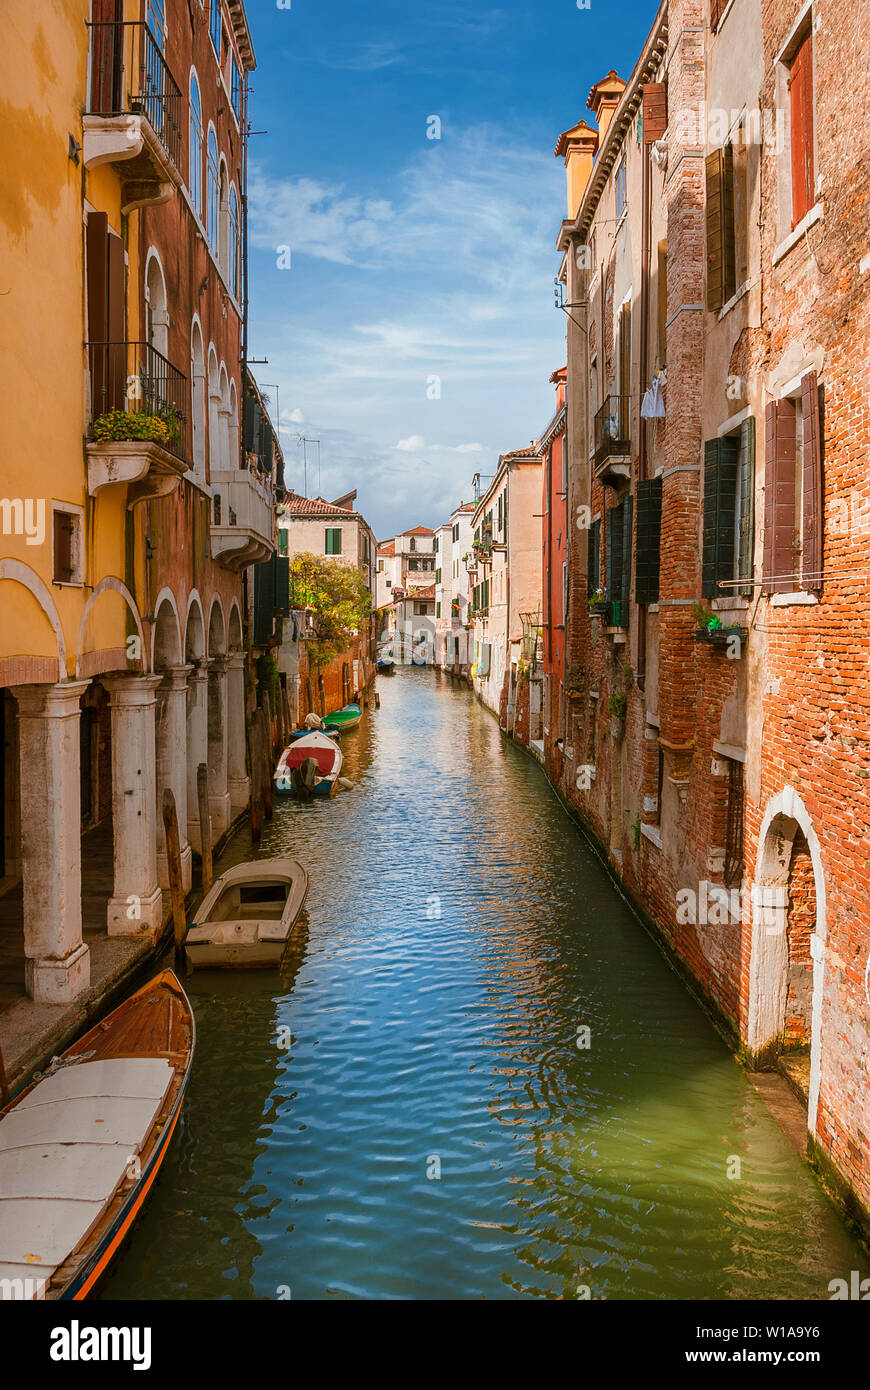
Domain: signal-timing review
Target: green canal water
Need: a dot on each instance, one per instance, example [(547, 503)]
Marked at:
[(459, 933)]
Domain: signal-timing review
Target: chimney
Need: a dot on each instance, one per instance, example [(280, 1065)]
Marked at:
[(577, 147), (603, 101)]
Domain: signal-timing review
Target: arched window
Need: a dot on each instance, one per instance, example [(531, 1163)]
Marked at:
[(223, 217), (195, 173), (197, 390), (214, 406), (156, 307), (214, 196), (233, 240)]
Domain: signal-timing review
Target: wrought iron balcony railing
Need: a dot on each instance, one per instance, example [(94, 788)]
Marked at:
[(135, 379), (613, 429), (129, 73)]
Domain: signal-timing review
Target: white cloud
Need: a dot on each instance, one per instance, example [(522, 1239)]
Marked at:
[(292, 417), (412, 445), (469, 448), (370, 58)]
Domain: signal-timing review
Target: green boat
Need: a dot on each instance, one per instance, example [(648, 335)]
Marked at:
[(346, 718)]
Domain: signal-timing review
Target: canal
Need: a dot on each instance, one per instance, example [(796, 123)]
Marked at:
[(404, 1112)]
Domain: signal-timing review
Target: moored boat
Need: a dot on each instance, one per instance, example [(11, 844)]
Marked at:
[(309, 766), (246, 918), (81, 1146), (386, 665), (343, 719)]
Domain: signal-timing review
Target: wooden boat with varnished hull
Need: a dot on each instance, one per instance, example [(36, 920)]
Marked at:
[(81, 1146)]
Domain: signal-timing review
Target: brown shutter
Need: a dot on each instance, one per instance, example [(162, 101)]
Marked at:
[(813, 499), (800, 86), (779, 497), (63, 525), (655, 112), (97, 253), (728, 258), (717, 9), (625, 352), (663, 301), (714, 166)]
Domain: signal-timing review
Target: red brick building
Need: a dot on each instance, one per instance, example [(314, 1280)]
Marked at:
[(717, 424)]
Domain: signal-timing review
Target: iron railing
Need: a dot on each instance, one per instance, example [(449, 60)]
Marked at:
[(613, 429), (129, 73), (136, 379)]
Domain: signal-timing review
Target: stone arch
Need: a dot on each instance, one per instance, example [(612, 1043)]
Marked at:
[(235, 631), (21, 574), (197, 397), (156, 303), (785, 821), (125, 659), (234, 458), (166, 635), (223, 215), (194, 629), (224, 413), (217, 629)]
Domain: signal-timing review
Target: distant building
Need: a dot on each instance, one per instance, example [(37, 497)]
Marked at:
[(453, 545)]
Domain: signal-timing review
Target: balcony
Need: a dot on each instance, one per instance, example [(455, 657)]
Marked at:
[(242, 519), (139, 433), (135, 113), (612, 457)]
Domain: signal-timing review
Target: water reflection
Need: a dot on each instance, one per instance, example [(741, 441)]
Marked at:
[(460, 935)]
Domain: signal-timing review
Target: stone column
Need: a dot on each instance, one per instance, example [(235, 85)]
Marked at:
[(136, 904), (218, 795), (57, 962), (237, 777), (197, 745), (172, 768)]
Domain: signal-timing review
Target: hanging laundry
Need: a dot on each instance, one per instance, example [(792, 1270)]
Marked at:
[(653, 405)]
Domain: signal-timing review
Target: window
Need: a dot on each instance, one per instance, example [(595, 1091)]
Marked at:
[(233, 243), (67, 547), (618, 561), (215, 26), (155, 18), (214, 197), (593, 558), (800, 102), (793, 491), (283, 542), (620, 186), (412, 544), (333, 540), (733, 871), (729, 492), (194, 178), (236, 88), (438, 610), (717, 9), (624, 349), (389, 583), (727, 223), (648, 545)]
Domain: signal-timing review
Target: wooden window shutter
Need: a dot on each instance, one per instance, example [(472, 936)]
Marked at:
[(625, 350), (264, 601), (746, 532), (649, 528), (813, 497), (720, 505), (63, 541), (717, 9), (97, 272), (252, 424), (800, 86), (613, 558), (663, 300), (719, 171), (779, 497), (655, 112), (625, 578)]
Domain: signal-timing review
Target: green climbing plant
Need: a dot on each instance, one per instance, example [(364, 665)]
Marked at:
[(336, 595)]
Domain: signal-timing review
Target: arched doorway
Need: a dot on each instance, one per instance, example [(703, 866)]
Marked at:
[(787, 957)]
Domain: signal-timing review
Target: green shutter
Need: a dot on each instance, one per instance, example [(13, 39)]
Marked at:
[(747, 503), (593, 557), (720, 505), (649, 530), (625, 582)]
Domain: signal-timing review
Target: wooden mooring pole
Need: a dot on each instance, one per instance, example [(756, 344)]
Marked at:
[(173, 861), (256, 781), (204, 825), (266, 755)]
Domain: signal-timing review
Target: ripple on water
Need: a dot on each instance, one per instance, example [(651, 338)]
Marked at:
[(458, 934)]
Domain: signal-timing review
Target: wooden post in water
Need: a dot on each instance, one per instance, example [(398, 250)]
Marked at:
[(279, 717), (321, 693), (256, 781), (173, 861), (266, 765), (288, 722), (309, 697), (204, 825), (267, 716)]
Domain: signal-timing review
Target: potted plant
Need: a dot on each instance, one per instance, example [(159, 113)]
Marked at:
[(597, 603), (710, 628)]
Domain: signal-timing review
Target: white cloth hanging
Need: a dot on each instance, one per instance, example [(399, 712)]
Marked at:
[(653, 406)]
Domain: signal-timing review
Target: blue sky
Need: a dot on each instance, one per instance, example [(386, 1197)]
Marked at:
[(413, 258)]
